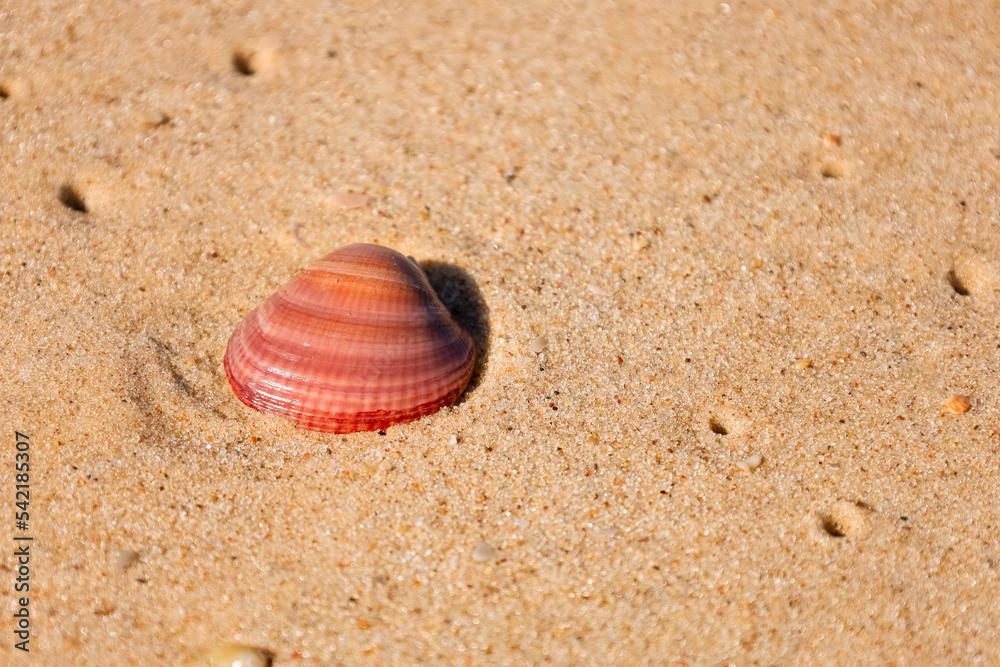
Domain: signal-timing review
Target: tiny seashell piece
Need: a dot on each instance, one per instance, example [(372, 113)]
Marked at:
[(958, 404), (348, 199), (357, 342)]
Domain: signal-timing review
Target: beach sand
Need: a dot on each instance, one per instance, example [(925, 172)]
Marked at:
[(727, 267)]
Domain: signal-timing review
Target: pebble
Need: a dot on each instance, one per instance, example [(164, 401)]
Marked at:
[(539, 345), (483, 552), (127, 559), (152, 118), (750, 463)]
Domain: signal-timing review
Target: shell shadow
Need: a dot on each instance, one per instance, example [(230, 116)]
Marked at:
[(461, 296)]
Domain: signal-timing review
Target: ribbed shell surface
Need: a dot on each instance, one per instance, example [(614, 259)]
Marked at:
[(357, 342)]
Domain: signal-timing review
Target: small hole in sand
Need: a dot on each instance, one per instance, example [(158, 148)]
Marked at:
[(832, 170), (70, 198), (12, 87), (242, 63), (957, 284), (830, 525), (255, 59), (846, 519), (716, 427)]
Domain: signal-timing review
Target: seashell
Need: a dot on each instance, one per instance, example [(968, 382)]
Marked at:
[(357, 342), (958, 404)]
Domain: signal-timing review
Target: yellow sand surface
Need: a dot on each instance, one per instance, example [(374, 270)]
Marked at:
[(727, 266)]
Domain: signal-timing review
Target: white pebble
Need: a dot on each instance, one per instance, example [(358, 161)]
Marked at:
[(597, 291), (539, 345), (750, 463)]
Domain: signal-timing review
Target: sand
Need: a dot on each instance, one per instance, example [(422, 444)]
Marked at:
[(727, 265)]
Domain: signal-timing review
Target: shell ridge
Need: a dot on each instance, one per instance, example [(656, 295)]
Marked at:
[(358, 341)]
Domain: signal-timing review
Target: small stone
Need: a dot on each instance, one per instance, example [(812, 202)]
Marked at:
[(152, 118), (127, 559), (958, 404), (750, 463), (832, 139), (539, 345), (640, 243), (238, 655), (804, 363), (483, 552)]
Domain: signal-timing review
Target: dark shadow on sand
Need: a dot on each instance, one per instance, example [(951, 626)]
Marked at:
[(461, 296)]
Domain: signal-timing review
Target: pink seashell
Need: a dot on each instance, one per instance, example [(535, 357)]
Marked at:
[(357, 342), (348, 199)]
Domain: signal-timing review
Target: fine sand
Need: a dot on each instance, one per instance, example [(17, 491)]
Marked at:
[(727, 266)]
